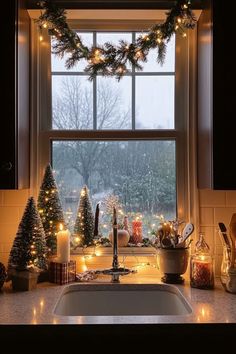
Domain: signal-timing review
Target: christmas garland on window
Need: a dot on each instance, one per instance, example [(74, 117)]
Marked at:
[(111, 60)]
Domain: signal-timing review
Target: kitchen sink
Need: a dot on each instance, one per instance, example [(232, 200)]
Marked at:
[(121, 300)]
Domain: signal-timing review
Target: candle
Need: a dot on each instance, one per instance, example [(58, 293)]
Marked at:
[(96, 221), (115, 263), (63, 245), (137, 231), (202, 273)]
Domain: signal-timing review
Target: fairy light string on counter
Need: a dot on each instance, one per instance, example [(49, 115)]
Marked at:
[(109, 59)]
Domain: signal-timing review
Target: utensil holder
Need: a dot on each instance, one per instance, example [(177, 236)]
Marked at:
[(173, 263)]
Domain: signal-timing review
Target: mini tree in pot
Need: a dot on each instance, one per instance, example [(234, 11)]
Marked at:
[(28, 253)]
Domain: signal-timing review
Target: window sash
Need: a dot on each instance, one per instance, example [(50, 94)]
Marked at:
[(179, 134)]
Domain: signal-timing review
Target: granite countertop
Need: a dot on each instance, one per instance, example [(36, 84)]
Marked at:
[(37, 306)]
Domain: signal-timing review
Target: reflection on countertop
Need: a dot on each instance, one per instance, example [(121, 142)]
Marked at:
[(36, 306)]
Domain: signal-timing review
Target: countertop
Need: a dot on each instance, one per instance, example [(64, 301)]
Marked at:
[(37, 306)]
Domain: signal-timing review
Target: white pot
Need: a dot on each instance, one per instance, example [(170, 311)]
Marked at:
[(173, 261), (122, 237)]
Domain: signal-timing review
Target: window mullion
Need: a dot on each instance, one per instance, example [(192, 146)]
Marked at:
[(95, 90), (133, 90)]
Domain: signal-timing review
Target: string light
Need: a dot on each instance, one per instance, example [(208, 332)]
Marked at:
[(97, 57)]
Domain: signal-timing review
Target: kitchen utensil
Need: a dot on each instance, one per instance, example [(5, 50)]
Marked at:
[(166, 243), (232, 226), (224, 236), (187, 231)]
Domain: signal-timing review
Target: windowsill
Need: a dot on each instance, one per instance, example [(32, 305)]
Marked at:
[(107, 251)]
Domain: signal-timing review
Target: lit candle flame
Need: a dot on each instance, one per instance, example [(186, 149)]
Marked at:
[(60, 227)]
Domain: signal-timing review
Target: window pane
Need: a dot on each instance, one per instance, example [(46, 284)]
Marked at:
[(169, 63), (58, 64), (155, 102), (72, 102), (141, 173), (114, 38), (114, 103)]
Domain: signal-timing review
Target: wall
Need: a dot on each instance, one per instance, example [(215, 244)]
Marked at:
[(12, 205), (215, 206)]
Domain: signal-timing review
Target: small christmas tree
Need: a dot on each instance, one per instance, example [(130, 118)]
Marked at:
[(50, 210), (84, 223), (29, 247)]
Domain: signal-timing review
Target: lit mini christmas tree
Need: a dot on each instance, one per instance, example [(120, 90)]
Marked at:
[(84, 223), (29, 247), (50, 209)]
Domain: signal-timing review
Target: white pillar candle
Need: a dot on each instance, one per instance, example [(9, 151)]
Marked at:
[(63, 245)]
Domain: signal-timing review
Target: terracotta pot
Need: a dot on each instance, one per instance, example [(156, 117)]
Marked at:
[(122, 237)]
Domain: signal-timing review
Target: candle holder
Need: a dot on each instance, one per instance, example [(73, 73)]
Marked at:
[(202, 266)]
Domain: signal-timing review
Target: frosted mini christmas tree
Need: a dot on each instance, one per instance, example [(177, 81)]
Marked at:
[(50, 209), (29, 247), (84, 223)]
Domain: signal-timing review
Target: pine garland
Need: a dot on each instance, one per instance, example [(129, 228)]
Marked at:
[(111, 60)]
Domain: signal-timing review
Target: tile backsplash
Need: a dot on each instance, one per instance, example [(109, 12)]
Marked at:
[(12, 205), (215, 206)]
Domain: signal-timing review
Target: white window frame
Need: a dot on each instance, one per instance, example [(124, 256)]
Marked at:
[(185, 73)]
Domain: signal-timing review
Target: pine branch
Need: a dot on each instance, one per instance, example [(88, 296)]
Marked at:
[(110, 60)]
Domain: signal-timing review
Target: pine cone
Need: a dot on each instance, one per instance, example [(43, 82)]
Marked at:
[(3, 275)]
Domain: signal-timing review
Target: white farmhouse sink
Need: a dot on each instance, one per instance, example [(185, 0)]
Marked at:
[(121, 300)]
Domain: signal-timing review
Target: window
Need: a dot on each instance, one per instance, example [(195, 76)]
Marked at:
[(122, 138)]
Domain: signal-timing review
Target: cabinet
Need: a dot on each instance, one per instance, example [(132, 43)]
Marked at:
[(216, 97), (14, 142)]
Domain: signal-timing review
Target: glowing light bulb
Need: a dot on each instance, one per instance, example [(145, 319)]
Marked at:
[(179, 20), (184, 35), (159, 40), (45, 25), (77, 239)]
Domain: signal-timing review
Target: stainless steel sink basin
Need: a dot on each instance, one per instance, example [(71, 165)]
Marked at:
[(121, 300)]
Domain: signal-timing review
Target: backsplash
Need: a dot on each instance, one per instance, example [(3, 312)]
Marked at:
[(12, 205), (215, 206)]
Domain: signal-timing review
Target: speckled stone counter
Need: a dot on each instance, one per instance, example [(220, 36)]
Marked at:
[(37, 306)]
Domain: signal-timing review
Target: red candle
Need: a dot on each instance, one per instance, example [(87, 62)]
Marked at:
[(137, 231), (202, 274)]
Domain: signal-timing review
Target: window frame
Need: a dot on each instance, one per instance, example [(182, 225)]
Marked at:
[(42, 135)]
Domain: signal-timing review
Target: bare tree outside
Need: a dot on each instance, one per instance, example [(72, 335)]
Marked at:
[(142, 173)]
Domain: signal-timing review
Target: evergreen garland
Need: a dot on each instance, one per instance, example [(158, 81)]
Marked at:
[(29, 247), (50, 209), (84, 223), (109, 60)]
